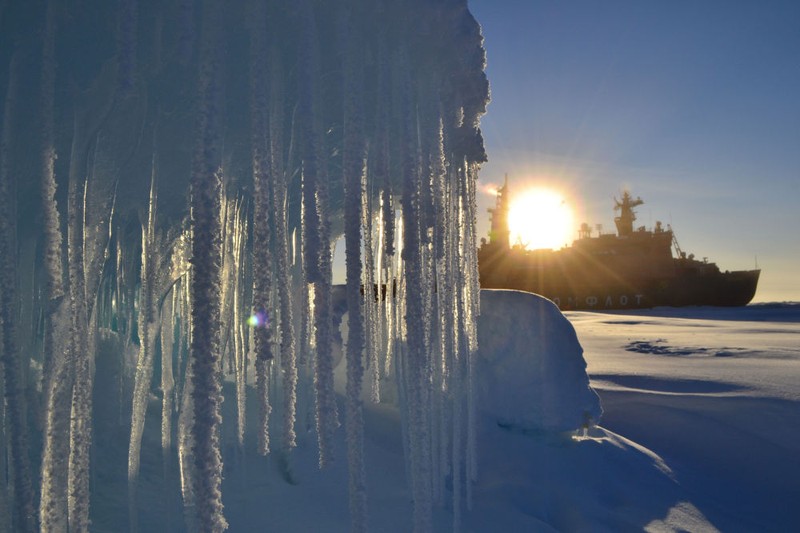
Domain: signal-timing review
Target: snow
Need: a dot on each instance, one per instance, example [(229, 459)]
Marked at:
[(718, 401), (532, 373), (696, 441)]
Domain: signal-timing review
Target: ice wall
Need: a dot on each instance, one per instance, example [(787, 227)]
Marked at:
[(192, 165)]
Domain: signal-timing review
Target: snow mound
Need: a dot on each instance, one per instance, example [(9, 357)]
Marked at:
[(531, 373)]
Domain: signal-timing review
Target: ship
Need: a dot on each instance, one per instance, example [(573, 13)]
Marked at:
[(631, 269)]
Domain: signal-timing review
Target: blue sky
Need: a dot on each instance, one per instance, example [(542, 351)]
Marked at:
[(693, 105)]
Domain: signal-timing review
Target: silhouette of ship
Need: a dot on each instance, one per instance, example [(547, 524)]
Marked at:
[(632, 269)]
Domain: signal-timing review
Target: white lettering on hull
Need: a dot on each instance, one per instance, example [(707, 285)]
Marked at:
[(610, 301)]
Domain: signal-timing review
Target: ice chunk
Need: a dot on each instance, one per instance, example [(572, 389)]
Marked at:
[(530, 372)]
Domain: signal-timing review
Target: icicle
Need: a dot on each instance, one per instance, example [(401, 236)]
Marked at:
[(53, 507), (225, 289), (205, 356), (263, 372), (388, 221), (169, 321), (262, 246), (10, 356), (353, 160), (57, 375), (238, 237), (316, 230), (99, 202), (373, 294), (415, 361), (326, 410), (147, 338), (420, 126), (443, 298), (81, 356), (306, 355), (168, 329), (80, 445), (307, 337), (473, 287), (183, 398), (280, 193), (188, 471), (263, 341), (382, 159), (375, 182), (309, 143), (449, 315), (384, 283), (232, 312), (50, 222)]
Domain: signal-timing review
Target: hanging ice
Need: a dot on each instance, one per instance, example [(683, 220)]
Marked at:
[(263, 133)]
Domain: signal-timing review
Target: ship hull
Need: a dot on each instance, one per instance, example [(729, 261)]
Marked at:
[(724, 289), (576, 282)]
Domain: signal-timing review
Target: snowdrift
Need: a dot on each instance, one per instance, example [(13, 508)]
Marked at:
[(530, 368), (530, 372)]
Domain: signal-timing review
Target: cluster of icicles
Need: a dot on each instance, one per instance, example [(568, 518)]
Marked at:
[(239, 293)]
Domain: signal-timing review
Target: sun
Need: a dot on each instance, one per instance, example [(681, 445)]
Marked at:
[(540, 218)]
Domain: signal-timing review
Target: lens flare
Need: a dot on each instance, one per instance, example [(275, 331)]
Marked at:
[(258, 319), (540, 218)]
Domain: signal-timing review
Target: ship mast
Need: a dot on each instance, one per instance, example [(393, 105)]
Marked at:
[(626, 216), (499, 233)]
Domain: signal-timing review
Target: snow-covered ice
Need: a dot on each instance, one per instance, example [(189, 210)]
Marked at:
[(716, 394), (700, 434), (532, 375)]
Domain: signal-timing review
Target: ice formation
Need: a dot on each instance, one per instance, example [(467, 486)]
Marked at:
[(522, 387), (194, 166)]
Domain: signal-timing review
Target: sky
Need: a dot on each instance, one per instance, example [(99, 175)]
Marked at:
[(692, 105)]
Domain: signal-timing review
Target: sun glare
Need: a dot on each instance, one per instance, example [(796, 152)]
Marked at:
[(540, 218)]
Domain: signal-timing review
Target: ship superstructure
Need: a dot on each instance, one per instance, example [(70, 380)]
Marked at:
[(634, 268)]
